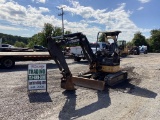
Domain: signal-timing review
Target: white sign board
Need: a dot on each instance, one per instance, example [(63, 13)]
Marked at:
[(37, 77)]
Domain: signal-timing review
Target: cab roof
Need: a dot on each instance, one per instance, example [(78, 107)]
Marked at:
[(111, 33)]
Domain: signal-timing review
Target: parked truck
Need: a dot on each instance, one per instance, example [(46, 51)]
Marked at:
[(143, 49), (77, 51), (137, 50), (11, 48), (8, 59)]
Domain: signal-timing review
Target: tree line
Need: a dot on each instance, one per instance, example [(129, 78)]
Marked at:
[(48, 30), (153, 43), (36, 39), (14, 40)]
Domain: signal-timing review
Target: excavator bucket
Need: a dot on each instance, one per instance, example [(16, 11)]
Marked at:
[(88, 83), (67, 84)]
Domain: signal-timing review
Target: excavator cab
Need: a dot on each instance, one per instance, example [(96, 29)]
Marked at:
[(104, 66), (110, 57)]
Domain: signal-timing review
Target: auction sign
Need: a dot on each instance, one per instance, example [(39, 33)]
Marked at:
[(37, 77)]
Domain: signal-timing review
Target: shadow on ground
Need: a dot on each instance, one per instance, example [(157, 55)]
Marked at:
[(129, 88), (69, 111), (84, 62), (131, 85), (39, 97)]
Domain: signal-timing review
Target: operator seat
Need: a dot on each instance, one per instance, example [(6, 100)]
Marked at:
[(111, 49), (110, 58)]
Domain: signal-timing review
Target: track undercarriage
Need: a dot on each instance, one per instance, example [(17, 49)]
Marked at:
[(99, 80)]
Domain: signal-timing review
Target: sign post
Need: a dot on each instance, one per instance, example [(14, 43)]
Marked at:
[(37, 77)]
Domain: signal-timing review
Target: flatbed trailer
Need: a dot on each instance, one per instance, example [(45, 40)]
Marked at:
[(8, 59)]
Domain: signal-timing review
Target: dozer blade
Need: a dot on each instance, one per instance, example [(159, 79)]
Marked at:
[(115, 78), (88, 83), (67, 84)]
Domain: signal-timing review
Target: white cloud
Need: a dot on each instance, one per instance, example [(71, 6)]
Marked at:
[(117, 19), (140, 8), (90, 32), (144, 1), (3, 27), (42, 9), (85, 12), (42, 1), (39, 1), (33, 17), (26, 16), (2, 1)]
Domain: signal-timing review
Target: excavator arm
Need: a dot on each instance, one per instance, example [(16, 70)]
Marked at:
[(56, 53)]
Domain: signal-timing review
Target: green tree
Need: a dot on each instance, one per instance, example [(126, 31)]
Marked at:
[(19, 44), (129, 44), (10, 39), (155, 40), (37, 39), (57, 31), (139, 39), (67, 32), (48, 29), (40, 38), (31, 43), (101, 38)]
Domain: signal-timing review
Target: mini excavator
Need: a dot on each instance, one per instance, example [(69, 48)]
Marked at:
[(104, 65)]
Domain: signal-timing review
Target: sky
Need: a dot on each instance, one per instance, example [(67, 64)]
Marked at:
[(27, 17)]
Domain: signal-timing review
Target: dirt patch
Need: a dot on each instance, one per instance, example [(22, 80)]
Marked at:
[(129, 84)]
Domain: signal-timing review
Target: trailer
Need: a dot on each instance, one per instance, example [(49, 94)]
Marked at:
[(8, 59)]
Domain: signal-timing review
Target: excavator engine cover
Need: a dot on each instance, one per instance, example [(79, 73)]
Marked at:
[(110, 69)]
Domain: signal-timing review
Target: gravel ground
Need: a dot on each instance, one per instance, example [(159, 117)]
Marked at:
[(137, 99)]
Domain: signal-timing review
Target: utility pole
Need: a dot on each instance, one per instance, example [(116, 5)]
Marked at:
[(61, 14)]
